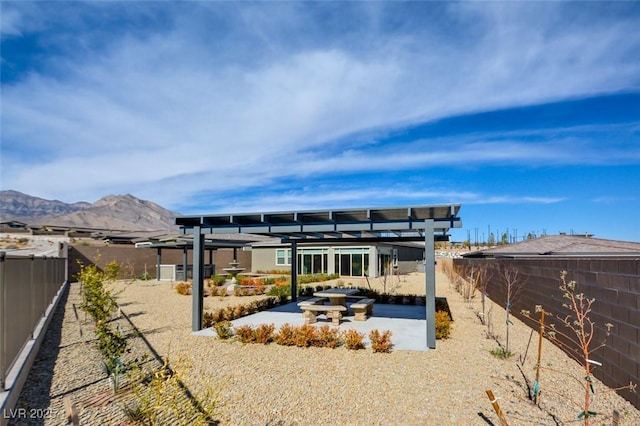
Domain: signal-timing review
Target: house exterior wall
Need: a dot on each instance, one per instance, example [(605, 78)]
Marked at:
[(264, 258), (614, 283)]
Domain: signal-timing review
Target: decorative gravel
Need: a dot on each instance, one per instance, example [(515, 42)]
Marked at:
[(277, 385)]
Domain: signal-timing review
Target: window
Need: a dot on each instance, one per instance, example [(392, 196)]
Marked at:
[(283, 257), (352, 262), (312, 261)]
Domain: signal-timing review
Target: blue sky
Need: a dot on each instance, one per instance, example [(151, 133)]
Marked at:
[(527, 114)]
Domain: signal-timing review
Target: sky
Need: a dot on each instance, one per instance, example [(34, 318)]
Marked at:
[(526, 114)]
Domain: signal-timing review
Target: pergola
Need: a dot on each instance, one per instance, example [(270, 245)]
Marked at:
[(420, 223)]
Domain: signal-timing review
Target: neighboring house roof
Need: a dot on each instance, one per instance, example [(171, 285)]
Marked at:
[(562, 245), (13, 224)]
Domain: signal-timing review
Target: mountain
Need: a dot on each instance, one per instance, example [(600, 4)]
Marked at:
[(113, 212)]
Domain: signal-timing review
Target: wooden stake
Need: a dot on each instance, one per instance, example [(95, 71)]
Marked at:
[(536, 385), (72, 413), (615, 420), (496, 407)]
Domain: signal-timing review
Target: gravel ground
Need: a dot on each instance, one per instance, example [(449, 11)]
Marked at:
[(277, 385)]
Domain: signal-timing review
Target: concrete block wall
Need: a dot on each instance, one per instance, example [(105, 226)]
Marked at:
[(615, 284)]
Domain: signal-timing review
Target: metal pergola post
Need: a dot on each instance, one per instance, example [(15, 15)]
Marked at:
[(294, 271), (430, 284), (198, 278)]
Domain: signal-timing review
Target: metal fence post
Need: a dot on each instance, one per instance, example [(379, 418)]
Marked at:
[(3, 321), (32, 293)]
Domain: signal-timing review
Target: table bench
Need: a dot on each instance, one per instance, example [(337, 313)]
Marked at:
[(310, 312), (362, 309), (313, 301)]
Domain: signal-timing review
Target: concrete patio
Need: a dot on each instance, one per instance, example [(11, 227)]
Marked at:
[(407, 323)]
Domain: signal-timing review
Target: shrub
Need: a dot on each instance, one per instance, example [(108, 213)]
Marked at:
[(245, 333), (501, 353), (328, 337), (285, 335), (443, 325), (223, 329), (263, 333), (112, 270), (380, 342), (216, 280), (279, 291), (353, 339), (183, 288), (304, 336)]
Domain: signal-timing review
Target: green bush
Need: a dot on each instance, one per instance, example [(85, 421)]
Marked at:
[(216, 280)]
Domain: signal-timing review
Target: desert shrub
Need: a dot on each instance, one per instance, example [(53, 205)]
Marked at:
[(264, 333), (501, 353), (304, 335), (228, 313), (183, 288), (218, 291), (443, 325), (279, 291), (223, 329), (112, 270), (305, 291), (353, 339), (316, 278), (216, 280), (244, 333), (380, 342), (159, 397), (285, 335), (328, 337)]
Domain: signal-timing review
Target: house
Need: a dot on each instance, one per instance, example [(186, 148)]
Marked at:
[(345, 259)]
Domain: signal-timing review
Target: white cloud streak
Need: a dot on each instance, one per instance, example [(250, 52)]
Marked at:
[(210, 111)]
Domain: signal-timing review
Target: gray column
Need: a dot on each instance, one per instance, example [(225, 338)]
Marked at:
[(430, 278), (158, 262), (294, 271), (198, 278)]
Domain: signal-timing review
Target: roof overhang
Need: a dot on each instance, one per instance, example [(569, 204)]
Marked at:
[(371, 224)]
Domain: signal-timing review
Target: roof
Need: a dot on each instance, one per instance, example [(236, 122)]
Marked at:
[(372, 224), (562, 245)]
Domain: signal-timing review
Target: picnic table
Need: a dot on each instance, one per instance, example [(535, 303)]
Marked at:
[(337, 296)]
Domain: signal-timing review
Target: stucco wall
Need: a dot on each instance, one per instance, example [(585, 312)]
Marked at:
[(613, 282)]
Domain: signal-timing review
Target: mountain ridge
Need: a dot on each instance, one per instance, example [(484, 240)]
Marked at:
[(113, 212)]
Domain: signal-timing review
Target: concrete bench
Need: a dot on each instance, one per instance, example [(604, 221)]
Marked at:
[(313, 301), (311, 312), (362, 309)]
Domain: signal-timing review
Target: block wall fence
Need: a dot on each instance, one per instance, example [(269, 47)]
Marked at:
[(615, 284), (144, 259)]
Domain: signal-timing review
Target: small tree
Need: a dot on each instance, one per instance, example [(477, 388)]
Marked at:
[(512, 283), (577, 338)]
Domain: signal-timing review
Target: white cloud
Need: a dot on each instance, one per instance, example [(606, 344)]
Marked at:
[(193, 112)]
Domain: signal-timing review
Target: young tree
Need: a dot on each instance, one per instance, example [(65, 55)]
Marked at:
[(576, 337), (513, 283)]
